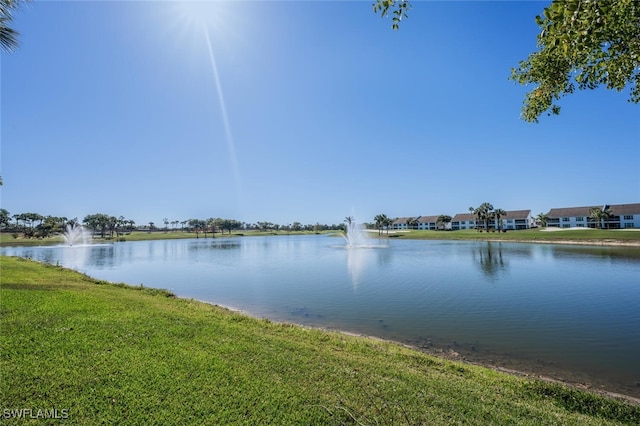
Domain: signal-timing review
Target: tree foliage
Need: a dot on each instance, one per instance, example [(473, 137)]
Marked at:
[(396, 8), (8, 36), (583, 44), (600, 216)]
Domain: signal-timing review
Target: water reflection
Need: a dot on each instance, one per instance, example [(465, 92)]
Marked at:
[(357, 261), (74, 257), (214, 245), (364, 260), (102, 256), (491, 260), (595, 252)]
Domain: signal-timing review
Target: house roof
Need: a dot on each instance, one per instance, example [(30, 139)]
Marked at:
[(516, 214), (463, 216), (624, 209), (511, 214), (402, 220), (428, 219), (570, 211)]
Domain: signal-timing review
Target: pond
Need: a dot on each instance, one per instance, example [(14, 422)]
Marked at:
[(568, 312)]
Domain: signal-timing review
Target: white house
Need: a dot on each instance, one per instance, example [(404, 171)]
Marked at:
[(403, 223), (463, 221), (513, 219), (518, 219), (624, 216), (621, 216), (569, 217), (431, 223)]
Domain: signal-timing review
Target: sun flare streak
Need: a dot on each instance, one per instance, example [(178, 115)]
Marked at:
[(223, 108)]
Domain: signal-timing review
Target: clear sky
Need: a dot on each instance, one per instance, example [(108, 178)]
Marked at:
[(286, 111)]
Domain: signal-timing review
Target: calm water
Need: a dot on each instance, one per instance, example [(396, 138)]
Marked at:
[(565, 311)]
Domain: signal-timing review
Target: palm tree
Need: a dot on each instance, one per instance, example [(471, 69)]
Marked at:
[(382, 220), (472, 210), (377, 219), (542, 218), (8, 36), (600, 216), (348, 220), (441, 222), (478, 214), (606, 215), (487, 213), (498, 213), (387, 222)]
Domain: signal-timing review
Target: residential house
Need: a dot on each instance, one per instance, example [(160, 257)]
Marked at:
[(463, 221), (513, 219), (517, 219), (570, 217), (431, 223), (625, 216), (621, 216), (403, 223)]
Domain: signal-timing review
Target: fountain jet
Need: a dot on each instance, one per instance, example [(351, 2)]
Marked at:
[(75, 235), (355, 235)]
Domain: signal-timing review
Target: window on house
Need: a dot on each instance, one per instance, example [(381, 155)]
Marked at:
[(628, 225), (565, 219), (628, 217), (579, 219)]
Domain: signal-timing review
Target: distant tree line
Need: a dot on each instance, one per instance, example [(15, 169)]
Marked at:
[(35, 225)]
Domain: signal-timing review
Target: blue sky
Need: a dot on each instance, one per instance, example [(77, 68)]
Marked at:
[(295, 111)]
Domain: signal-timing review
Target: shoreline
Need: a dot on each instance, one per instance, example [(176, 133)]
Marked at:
[(514, 366), (601, 243), (570, 379), (584, 237)]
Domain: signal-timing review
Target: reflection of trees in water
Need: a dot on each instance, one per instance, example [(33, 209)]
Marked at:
[(595, 252), (491, 260), (383, 256), (218, 245), (102, 256)]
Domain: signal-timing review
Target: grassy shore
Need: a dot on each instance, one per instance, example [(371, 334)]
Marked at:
[(538, 235), (7, 239), (115, 354)]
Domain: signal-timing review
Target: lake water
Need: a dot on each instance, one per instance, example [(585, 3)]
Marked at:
[(569, 312)]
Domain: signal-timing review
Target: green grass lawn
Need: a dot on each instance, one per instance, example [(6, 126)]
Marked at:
[(535, 235), (115, 354), (8, 239)]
